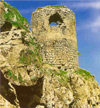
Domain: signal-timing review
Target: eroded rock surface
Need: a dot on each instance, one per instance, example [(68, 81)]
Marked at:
[(11, 47), (1, 12), (32, 70), (10, 18)]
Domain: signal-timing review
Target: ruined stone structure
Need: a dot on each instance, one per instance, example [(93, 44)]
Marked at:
[(10, 18), (27, 82), (59, 43)]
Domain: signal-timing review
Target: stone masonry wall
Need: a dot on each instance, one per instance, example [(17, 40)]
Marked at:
[(59, 43), (61, 54)]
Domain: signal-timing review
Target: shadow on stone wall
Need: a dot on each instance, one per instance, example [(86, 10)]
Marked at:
[(28, 96), (6, 27), (5, 89)]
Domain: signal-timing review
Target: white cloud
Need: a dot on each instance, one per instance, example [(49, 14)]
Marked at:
[(92, 25), (95, 25), (93, 22), (82, 4), (95, 5)]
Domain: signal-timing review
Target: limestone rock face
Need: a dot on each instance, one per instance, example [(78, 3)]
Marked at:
[(59, 42), (11, 47), (10, 18), (1, 12), (5, 104), (28, 81), (77, 93)]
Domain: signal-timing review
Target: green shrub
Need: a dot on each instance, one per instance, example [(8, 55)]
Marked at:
[(12, 12), (78, 53), (10, 74), (14, 77), (61, 73), (84, 73), (31, 56), (62, 76), (27, 57)]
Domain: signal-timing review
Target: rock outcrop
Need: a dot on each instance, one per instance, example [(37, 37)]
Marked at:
[(10, 18), (1, 12), (28, 79), (11, 56)]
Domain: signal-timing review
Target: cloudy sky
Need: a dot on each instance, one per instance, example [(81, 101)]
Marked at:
[(87, 23)]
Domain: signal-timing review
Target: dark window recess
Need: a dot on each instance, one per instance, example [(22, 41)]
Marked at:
[(65, 69), (55, 20), (59, 67)]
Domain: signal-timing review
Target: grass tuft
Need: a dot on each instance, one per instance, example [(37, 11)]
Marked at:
[(84, 73), (51, 6), (62, 76)]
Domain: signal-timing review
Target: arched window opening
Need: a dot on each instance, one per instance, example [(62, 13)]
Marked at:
[(55, 20), (53, 24)]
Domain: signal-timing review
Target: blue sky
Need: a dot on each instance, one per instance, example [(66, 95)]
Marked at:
[(87, 14)]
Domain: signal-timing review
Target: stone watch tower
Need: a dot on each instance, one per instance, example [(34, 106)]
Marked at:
[(59, 43)]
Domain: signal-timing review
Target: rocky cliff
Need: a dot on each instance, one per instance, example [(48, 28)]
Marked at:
[(27, 80), (10, 18)]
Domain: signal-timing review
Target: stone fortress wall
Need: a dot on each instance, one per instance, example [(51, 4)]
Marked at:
[(59, 43)]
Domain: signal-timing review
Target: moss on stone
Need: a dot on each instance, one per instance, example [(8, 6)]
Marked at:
[(12, 75), (84, 73), (31, 56), (13, 16), (60, 74), (51, 6)]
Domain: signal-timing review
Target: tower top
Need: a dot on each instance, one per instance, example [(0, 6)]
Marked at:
[(59, 42)]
